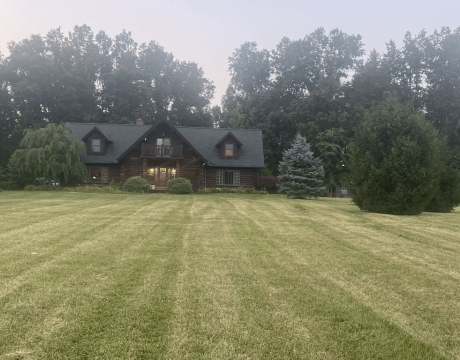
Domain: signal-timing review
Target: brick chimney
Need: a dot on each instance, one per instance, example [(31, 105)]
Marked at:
[(139, 122)]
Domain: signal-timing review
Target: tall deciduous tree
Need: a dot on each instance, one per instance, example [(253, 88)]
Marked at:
[(249, 69), (82, 77), (300, 173), (443, 87), (334, 155), (294, 88), (51, 152), (370, 82)]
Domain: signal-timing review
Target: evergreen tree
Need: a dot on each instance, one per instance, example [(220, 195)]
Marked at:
[(396, 160), (448, 195), (8, 178), (301, 174)]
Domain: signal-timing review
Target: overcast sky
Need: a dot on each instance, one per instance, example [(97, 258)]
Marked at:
[(207, 32)]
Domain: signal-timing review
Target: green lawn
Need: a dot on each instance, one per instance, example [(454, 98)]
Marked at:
[(90, 276)]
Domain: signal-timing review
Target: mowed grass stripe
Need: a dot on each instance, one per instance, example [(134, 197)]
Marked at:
[(130, 318), (273, 329), (386, 278), (232, 277), (44, 208), (37, 247), (308, 288), (75, 278), (207, 316)]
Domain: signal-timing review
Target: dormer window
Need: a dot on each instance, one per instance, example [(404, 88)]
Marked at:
[(228, 150), (96, 142), (96, 145), (229, 147)]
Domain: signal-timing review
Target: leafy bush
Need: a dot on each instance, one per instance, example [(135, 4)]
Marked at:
[(266, 171), (44, 188), (136, 184), (84, 189), (95, 189), (269, 182), (254, 191), (114, 185), (180, 186), (396, 160), (231, 191), (448, 195)]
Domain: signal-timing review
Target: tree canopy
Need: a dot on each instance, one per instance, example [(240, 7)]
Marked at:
[(87, 77), (321, 86), (50, 152)]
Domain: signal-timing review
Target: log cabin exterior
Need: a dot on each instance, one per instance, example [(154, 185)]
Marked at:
[(208, 157)]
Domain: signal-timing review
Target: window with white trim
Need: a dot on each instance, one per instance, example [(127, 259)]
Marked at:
[(228, 150), (228, 177), (96, 145)]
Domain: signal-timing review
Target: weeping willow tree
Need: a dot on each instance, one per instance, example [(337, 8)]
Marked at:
[(51, 152)]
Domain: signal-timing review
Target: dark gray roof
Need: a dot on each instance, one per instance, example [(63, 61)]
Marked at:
[(123, 136), (204, 141), (96, 129)]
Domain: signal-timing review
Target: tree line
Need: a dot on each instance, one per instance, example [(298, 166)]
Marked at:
[(319, 86), (87, 77)]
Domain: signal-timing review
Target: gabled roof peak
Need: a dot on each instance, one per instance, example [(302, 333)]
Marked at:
[(96, 129), (229, 135)]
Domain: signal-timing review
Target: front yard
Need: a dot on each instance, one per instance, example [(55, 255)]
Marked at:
[(101, 276)]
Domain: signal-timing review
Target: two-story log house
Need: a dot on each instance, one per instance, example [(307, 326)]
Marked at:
[(208, 157)]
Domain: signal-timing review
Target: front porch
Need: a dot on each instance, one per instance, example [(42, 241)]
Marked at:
[(158, 172)]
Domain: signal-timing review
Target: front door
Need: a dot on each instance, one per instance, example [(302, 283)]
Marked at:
[(159, 176), (163, 177)]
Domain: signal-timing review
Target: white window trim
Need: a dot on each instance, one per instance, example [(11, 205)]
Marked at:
[(236, 178), (229, 147), (93, 145)]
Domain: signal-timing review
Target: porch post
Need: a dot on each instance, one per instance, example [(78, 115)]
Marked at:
[(144, 168)]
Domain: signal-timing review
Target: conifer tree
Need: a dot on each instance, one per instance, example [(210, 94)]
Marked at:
[(301, 174), (396, 160)]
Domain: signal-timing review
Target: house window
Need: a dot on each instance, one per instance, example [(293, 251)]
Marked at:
[(98, 174), (228, 177), (96, 145), (164, 147), (228, 150)]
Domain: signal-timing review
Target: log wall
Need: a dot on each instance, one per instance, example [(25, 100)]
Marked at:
[(193, 170), (130, 166), (114, 173)]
